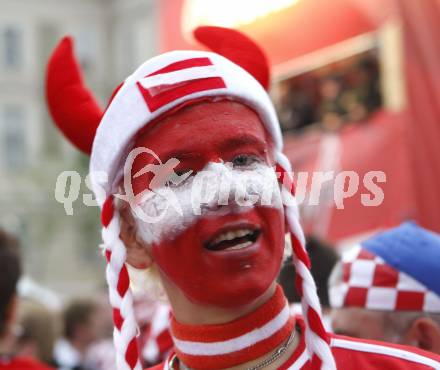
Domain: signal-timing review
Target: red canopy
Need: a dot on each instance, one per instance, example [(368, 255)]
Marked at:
[(378, 145), (309, 24), (404, 146)]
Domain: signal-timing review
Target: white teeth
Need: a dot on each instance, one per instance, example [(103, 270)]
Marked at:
[(240, 246), (230, 235), (240, 233)]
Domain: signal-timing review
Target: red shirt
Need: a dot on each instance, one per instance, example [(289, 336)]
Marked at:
[(359, 354), (21, 363)]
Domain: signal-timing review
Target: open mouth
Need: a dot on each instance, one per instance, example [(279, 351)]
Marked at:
[(233, 240)]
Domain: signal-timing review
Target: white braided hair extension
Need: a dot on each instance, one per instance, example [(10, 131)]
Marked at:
[(316, 338), (125, 326)]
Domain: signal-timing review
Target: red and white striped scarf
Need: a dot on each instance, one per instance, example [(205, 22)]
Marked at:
[(221, 346)]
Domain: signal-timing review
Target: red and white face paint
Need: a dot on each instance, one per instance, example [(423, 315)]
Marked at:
[(217, 190), (221, 247)]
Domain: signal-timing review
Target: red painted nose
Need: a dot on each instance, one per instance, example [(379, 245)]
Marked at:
[(216, 160)]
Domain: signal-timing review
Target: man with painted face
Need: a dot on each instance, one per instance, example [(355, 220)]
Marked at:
[(192, 142)]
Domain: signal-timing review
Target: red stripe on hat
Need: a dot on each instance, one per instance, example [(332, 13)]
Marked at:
[(183, 64), (410, 301), (158, 96), (180, 90), (365, 255), (356, 297), (385, 276), (346, 268)]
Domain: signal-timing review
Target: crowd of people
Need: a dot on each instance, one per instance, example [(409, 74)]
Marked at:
[(78, 337), (401, 264), (331, 98)]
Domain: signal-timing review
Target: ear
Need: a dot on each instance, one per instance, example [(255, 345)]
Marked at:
[(138, 254), (425, 334)]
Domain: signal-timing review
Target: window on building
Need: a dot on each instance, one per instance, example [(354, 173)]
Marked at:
[(13, 135), (11, 46)]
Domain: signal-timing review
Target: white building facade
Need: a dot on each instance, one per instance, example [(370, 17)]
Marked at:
[(112, 38)]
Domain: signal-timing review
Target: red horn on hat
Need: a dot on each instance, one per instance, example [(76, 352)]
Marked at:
[(71, 104), (238, 48)]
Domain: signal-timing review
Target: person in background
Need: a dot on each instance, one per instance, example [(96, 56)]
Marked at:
[(388, 289), (39, 330), (295, 106), (10, 267), (101, 354), (366, 84), (331, 110), (323, 259), (81, 330)]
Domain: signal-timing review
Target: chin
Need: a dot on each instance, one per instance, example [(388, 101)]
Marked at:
[(227, 261), (243, 293)]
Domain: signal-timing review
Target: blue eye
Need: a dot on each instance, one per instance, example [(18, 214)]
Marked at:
[(244, 160)]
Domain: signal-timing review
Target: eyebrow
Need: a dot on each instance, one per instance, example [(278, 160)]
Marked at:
[(181, 154), (245, 139), (228, 144)]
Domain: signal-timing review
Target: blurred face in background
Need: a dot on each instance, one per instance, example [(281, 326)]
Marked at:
[(358, 323), (411, 328), (89, 331), (228, 255)]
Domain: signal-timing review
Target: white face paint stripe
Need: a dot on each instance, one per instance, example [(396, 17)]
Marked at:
[(235, 344), (175, 208), (383, 350)]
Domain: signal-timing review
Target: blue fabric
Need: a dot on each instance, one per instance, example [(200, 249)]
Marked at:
[(410, 249)]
